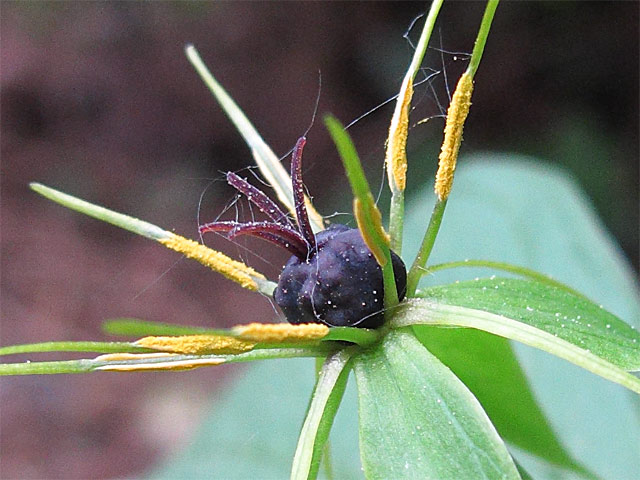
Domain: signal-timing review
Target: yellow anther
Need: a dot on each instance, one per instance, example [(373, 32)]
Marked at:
[(281, 332), (171, 362), (396, 156), (371, 215), (124, 357), (456, 115), (232, 269), (196, 344)]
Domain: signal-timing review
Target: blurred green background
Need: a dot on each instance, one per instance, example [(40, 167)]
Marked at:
[(98, 100)]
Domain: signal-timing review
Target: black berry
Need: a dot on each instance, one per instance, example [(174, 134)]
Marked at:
[(340, 284), (332, 277)]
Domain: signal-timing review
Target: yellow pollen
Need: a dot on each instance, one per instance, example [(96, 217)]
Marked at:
[(123, 357), (196, 344), (171, 363), (456, 115), (369, 214), (396, 156), (232, 269), (281, 332)]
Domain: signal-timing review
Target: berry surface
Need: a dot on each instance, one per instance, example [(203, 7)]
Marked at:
[(339, 284)]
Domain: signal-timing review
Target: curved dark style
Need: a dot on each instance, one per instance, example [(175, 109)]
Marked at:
[(332, 277)]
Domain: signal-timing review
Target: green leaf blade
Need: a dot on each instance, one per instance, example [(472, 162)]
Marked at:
[(417, 420), (487, 365), (426, 312), (553, 310), (528, 212)]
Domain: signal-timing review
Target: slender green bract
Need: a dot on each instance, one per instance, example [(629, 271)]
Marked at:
[(359, 336), (362, 193), (481, 39), (134, 327), (325, 401), (269, 164), (121, 220), (159, 362), (418, 420), (97, 347)]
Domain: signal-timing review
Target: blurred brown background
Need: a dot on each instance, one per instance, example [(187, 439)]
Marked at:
[(99, 101)]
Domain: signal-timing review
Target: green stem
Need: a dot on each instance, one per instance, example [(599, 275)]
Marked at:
[(396, 211), (438, 211), (97, 347), (507, 267), (481, 39), (417, 269), (396, 220)]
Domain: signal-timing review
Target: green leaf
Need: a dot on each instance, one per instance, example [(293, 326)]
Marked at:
[(327, 394), (426, 312), (516, 209), (487, 365), (418, 420), (556, 311), (505, 267)]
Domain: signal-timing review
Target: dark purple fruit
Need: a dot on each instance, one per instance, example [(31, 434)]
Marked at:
[(340, 284), (332, 277)]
